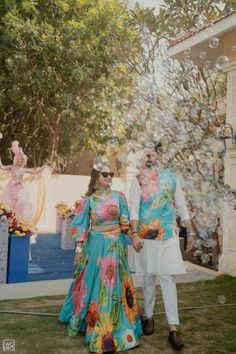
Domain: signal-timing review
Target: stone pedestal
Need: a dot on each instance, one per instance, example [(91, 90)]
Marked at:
[(3, 250), (18, 259), (67, 243)]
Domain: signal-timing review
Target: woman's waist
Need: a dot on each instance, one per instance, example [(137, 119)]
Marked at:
[(106, 228)]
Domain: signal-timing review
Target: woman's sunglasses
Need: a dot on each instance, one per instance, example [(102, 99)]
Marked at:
[(106, 174)]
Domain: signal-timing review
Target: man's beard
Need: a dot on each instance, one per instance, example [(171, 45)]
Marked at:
[(149, 164), (155, 163)]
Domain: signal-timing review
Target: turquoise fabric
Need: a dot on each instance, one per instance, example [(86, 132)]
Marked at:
[(101, 301), (156, 213)]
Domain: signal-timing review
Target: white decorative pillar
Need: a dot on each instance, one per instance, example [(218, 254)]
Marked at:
[(58, 224), (227, 262), (67, 243)]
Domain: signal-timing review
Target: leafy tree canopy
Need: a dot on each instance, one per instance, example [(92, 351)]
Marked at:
[(66, 67)]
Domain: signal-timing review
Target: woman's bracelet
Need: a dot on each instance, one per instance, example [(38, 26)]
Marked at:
[(78, 249), (191, 234), (134, 232)]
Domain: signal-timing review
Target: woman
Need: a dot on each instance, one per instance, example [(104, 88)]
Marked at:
[(101, 301), (16, 194)]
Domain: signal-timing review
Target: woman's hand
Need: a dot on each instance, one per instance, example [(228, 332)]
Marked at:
[(137, 242), (78, 252)]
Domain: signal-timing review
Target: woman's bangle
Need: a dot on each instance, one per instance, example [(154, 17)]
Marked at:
[(79, 247), (191, 234), (78, 250), (134, 232)]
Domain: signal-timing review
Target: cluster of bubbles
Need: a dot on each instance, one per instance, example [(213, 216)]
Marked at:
[(188, 132), (99, 163), (201, 22)]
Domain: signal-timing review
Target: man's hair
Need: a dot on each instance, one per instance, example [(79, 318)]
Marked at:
[(157, 145)]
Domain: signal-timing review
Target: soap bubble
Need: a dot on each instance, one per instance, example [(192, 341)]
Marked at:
[(100, 162), (221, 299), (205, 258), (197, 253), (202, 55), (214, 42), (221, 61), (200, 20), (187, 51), (122, 157), (198, 242), (113, 142), (213, 243)]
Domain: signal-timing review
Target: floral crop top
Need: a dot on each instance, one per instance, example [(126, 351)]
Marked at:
[(107, 208)]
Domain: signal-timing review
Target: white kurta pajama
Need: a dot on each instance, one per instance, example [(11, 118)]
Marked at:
[(155, 197)]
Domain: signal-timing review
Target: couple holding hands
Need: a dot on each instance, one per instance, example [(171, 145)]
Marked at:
[(101, 302)]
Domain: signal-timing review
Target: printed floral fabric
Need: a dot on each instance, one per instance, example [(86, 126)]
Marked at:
[(101, 301), (156, 214), (105, 209)]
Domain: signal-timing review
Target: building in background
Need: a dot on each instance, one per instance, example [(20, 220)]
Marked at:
[(222, 31)]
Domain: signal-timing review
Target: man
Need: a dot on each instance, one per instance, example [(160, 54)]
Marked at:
[(155, 196)]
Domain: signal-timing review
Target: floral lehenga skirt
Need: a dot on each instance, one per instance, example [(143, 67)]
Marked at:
[(101, 301)]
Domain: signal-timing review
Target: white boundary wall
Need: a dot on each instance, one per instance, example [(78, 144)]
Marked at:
[(66, 188)]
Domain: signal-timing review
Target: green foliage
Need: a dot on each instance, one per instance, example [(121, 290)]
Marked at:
[(178, 16), (66, 67)]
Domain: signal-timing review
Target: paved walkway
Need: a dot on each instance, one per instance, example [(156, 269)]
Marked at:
[(61, 286)]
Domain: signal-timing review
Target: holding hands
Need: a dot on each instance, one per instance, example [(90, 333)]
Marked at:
[(78, 253), (137, 242)]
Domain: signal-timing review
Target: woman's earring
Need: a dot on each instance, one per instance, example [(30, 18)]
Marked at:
[(95, 185)]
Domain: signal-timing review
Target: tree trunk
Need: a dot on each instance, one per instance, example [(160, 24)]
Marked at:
[(53, 130), (55, 138)]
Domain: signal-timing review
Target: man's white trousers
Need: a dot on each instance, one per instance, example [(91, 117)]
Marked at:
[(169, 295)]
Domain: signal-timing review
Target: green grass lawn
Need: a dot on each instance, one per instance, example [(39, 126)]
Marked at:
[(205, 331)]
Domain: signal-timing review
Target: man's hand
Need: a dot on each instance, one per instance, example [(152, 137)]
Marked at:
[(137, 242), (190, 243)]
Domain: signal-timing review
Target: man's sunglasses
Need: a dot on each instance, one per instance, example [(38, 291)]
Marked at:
[(106, 174)]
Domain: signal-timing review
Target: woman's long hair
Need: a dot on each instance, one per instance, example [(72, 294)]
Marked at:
[(93, 179)]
